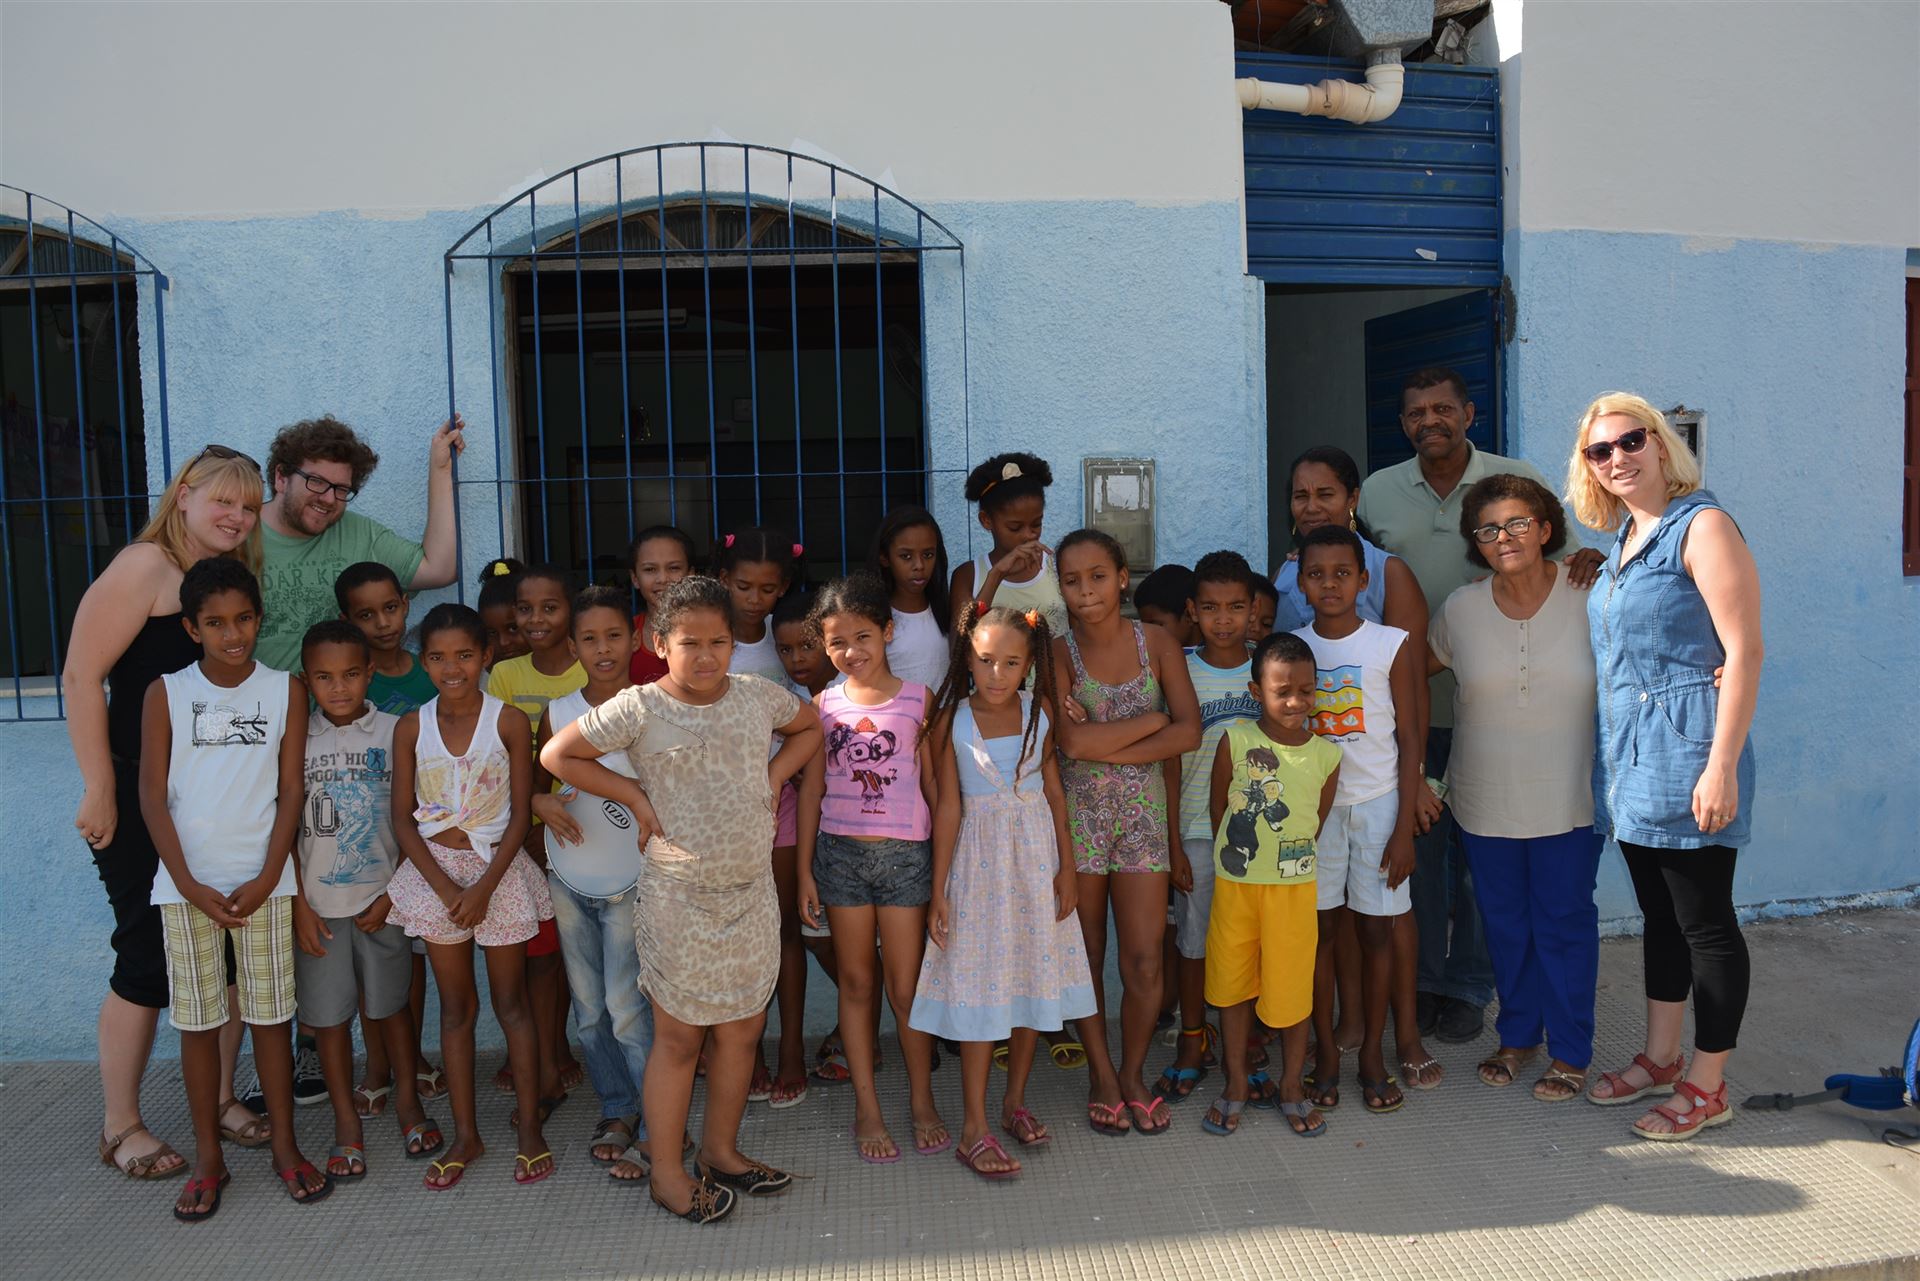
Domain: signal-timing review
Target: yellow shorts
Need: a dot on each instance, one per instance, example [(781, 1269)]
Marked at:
[(1260, 944), (197, 965)]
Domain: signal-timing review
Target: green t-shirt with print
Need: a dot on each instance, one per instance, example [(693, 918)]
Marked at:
[(297, 583)]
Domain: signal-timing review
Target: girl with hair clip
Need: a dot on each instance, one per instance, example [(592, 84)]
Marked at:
[(499, 590), (1016, 572), (1006, 961), (759, 566), (1127, 705)]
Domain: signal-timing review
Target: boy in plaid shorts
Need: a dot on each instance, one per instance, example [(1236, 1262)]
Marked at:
[(221, 775)]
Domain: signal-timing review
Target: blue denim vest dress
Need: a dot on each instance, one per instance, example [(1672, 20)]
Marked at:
[(1655, 650)]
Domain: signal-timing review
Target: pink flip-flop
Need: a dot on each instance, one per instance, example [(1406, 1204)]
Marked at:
[(970, 1157)]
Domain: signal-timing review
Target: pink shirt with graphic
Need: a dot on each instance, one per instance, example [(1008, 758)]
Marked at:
[(873, 765)]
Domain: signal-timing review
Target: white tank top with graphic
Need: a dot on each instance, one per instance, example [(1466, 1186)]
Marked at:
[(606, 861), (1353, 706)]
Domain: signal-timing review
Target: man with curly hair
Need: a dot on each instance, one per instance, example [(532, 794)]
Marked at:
[(315, 469)]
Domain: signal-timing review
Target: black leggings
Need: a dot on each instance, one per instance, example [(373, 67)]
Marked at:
[(1692, 941)]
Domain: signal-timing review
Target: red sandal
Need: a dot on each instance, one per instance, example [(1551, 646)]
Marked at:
[(1620, 1091), (1708, 1110)]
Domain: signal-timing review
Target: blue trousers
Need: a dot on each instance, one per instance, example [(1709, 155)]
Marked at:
[(603, 975), (1453, 953), (1543, 932)]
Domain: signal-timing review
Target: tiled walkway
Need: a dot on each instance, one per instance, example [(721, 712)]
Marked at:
[(1464, 1182)]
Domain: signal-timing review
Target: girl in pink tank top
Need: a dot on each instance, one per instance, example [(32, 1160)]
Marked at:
[(870, 865)]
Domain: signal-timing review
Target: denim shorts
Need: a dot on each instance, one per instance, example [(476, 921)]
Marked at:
[(890, 873)]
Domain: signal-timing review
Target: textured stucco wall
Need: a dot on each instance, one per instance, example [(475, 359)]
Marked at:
[(1795, 352), (1090, 327)]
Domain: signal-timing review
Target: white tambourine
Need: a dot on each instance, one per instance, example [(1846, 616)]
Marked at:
[(606, 861)]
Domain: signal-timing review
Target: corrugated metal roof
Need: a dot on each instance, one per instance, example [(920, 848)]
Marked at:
[(1410, 200)]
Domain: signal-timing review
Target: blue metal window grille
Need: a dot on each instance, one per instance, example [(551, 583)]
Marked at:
[(711, 335), (74, 439)]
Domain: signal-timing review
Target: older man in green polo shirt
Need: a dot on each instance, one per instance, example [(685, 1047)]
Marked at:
[(1413, 509)]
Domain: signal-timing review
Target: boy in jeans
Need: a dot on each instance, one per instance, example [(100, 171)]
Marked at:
[(593, 862), (1365, 703), (220, 790), (349, 953)]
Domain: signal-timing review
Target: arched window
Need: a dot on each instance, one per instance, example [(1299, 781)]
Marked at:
[(712, 358), (73, 428)]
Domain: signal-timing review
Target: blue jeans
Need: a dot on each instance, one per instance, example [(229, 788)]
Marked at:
[(1536, 900), (603, 974), (1453, 950)]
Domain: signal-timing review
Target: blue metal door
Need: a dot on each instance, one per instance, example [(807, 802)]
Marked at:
[(1410, 200), (1461, 333)]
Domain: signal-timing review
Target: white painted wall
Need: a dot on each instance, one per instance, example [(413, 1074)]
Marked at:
[(167, 108), (1750, 119)]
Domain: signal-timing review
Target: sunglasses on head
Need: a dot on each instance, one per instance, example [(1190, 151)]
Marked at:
[(221, 452), (1631, 442)]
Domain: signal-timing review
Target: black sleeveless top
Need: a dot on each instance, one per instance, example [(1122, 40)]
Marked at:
[(161, 647)]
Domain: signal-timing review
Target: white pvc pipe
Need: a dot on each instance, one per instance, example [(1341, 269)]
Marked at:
[(1340, 99)]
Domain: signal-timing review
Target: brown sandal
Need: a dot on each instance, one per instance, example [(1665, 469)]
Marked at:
[(1574, 1083), (256, 1133), (140, 1167), (1507, 1060)]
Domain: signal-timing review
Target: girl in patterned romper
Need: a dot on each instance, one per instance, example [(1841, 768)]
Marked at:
[(1007, 960), (1127, 706), (460, 817)]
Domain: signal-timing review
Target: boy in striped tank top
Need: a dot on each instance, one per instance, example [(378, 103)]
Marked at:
[(1221, 610)]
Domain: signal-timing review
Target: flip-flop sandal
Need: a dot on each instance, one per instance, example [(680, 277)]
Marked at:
[(1509, 1061), (352, 1154), (1374, 1093), (458, 1169), (1147, 1112), (194, 1188), (1068, 1056), (833, 1069), (529, 1162), (1575, 1082), (1229, 1110), (431, 1140), (298, 1175), (1262, 1093), (931, 1149), (1000, 1054), (711, 1203), (1302, 1111), (1108, 1118), (430, 1083), (370, 1101), (1326, 1095), (760, 1086), (1025, 1129), (256, 1133), (1415, 1073), (1176, 1083), (633, 1156), (140, 1167), (972, 1156), (606, 1126), (787, 1094), (869, 1158)]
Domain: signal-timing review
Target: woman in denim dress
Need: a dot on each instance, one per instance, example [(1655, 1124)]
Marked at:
[(1673, 767)]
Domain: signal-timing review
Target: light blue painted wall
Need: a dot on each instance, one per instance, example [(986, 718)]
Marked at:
[(1796, 353), (1091, 328)]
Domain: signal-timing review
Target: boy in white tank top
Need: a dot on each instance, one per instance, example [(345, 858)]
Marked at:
[(221, 777), (1366, 703)]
